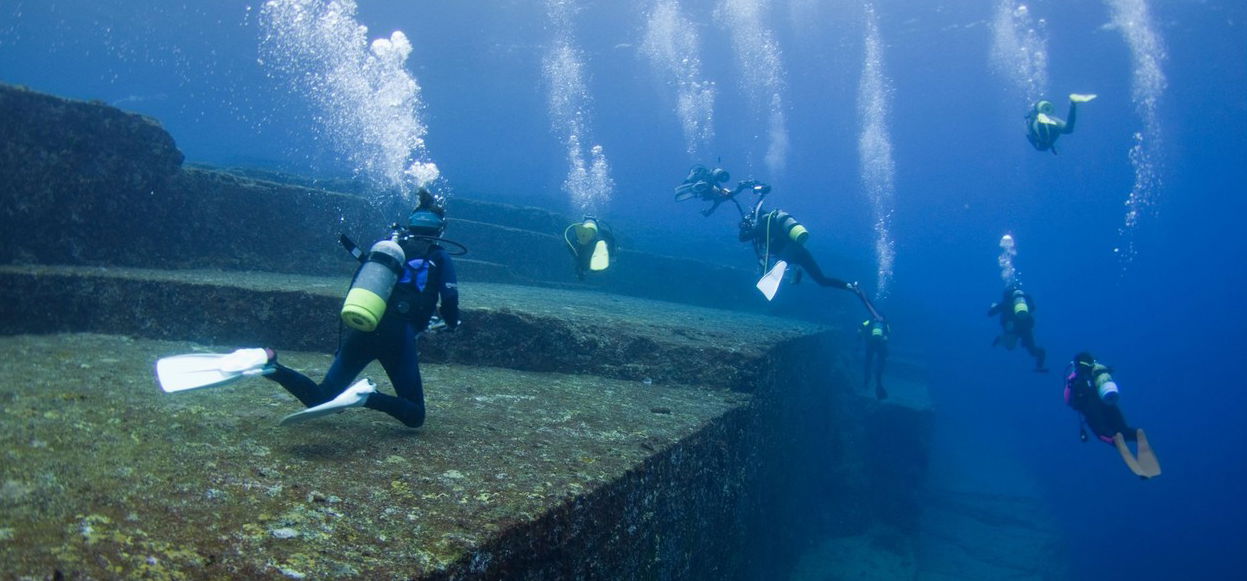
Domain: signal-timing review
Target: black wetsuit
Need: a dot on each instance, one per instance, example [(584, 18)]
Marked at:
[(770, 241), (875, 334), (1019, 325), (426, 278), (1043, 136), (1103, 418)]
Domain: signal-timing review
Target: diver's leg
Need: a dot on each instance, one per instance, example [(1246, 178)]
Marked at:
[(1096, 414), (1028, 341), (1117, 422), (1070, 118), (402, 363), (799, 255), (880, 361), (870, 355), (351, 359)]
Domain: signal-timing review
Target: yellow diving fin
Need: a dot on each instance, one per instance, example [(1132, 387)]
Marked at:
[(1146, 458), (1046, 120), (1145, 464), (1082, 97), (1129, 458), (601, 259)]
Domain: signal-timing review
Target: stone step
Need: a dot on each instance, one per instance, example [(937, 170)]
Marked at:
[(518, 327)]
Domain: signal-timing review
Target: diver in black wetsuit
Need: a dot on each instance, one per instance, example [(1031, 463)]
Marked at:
[(777, 235), (1016, 309), (592, 244), (427, 276), (1091, 391), (875, 333), (1042, 129), (1083, 387)]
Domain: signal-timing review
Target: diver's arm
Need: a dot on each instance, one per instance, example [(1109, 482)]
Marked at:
[(449, 291)]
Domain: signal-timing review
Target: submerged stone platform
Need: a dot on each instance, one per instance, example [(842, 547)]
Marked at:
[(570, 435), (105, 476)]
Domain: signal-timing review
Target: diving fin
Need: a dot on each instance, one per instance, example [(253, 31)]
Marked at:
[(1129, 458), (197, 370), (601, 259), (769, 283), (1046, 120), (354, 396), (1082, 97), (1147, 461)]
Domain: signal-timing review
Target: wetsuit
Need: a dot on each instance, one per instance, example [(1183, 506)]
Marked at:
[(1042, 135), (1103, 418), (1017, 322), (875, 333), (770, 241), (426, 279)]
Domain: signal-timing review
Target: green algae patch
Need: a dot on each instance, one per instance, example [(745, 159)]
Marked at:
[(105, 476)]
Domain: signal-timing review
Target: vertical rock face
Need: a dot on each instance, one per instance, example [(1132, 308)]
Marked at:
[(53, 151), (84, 183)]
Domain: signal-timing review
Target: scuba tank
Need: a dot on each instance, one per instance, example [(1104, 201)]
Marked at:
[(365, 302), (1104, 384), (1019, 304), (789, 226)]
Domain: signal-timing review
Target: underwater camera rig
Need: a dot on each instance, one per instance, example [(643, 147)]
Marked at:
[(704, 184)]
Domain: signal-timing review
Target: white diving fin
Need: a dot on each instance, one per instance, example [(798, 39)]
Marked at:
[(198, 370), (769, 283), (1046, 120), (354, 396), (1082, 97), (601, 259)]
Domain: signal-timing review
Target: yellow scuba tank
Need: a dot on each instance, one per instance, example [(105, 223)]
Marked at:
[(1104, 384), (586, 231), (791, 228), (1019, 304), (365, 302)]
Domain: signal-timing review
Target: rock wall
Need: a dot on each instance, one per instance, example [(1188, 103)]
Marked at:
[(88, 184)]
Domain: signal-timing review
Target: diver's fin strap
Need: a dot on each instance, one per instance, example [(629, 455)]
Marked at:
[(352, 248)]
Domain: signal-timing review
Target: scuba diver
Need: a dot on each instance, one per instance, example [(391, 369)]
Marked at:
[(703, 184), (392, 299), (1042, 129), (1091, 391), (775, 235), (875, 334), (1016, 309), (591, 245)]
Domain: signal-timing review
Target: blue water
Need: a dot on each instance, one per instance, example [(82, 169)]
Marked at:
[(1158, 300)]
